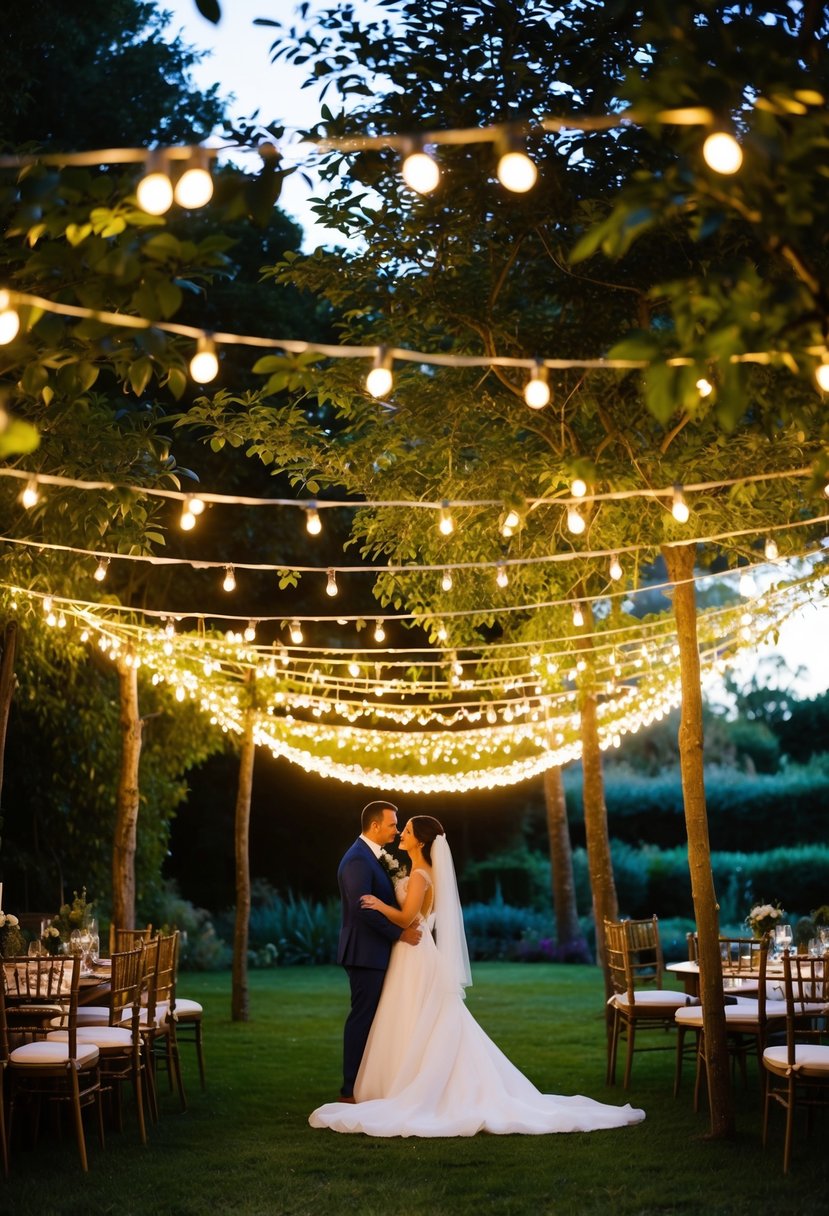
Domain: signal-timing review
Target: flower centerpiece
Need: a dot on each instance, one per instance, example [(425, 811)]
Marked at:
[(76, 915), (12, 941), (763, 917)]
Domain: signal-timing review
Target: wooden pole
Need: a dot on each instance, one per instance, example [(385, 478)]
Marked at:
[(561, 860), (239, 1005), (680, 563), (126, 812)]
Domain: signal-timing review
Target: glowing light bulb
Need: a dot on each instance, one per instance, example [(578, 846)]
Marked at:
[(578, 616), (615, 570), (822, 375), (101, 570), (442, 635), (155, 190), (354, 669), (747, 586), (516, 172), (513, 519), (578, 487), (501, 577), (446, 582), (420, 172), (679, 507), (379, 631), (537, 388), (722, 153), (195, 186), (575, 521), (30, 495), (331, 585), (313, 523), (250, 631), (190, 509), (771, 550), (204, 366), (229, 581), (704, 387), (446, 523), (380, 379), (9, 320), (296, 633)]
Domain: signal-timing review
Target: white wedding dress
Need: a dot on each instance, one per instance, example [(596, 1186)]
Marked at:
[(429, 1069)]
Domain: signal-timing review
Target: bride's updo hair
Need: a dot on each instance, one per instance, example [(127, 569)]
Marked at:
[(426, 829)]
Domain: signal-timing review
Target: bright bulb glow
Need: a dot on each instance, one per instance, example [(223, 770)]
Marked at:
[(446, 523), (9, 320), (194, 188), (575, 522), (578, 487), (822, 377), (296, 633), (331, 585), (537, 390), (722, 153), (30, 494), (771, 550), (155, 193), (615, 570), (747, 587), (188, 520), (101, 571), (379, 632), (502, 578), (517, 172), (204, 366), (704, 387), (229, 582), (679, 507), (420, 172), (313, 523), (446, 581), (379, 381), (513, 519), (354, 669), (250, 632), (578, 617)]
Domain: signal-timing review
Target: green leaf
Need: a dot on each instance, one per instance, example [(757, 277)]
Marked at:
[(18, 438), (140, 374), (210, 10)]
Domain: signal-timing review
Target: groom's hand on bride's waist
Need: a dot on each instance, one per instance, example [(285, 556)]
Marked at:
[(410, 935)]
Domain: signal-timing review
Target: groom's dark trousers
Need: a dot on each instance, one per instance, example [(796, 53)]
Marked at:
[(366, 939)]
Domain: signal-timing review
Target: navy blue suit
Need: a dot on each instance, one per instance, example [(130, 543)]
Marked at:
[(366, 939)]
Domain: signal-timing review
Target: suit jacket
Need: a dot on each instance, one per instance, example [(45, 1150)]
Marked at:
[(366, 936)]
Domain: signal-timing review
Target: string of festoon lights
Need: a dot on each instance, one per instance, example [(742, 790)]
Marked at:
[(501, 567), (525, 734), (379, 382)]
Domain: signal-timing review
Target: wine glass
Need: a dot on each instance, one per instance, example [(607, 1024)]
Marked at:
[(783, 938), (75, 946), (35, 948)]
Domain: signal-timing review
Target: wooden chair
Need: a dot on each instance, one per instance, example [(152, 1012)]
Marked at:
[(127, 939), (748, 1019), (158, 1018), (189, 1021), (63, 1071), (115, 1029), (798, 1074), (639, 1002)]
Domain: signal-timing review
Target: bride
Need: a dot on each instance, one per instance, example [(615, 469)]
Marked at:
[(428, 1068)]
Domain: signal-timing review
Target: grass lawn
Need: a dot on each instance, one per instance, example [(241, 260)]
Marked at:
[(244, 1146)]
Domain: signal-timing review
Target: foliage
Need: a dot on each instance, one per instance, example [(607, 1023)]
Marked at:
[(520, 877), (744, 811), (12, 941), (74, 915), (200, 947)]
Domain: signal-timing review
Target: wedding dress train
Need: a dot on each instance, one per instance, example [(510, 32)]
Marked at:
[(430, 1070)]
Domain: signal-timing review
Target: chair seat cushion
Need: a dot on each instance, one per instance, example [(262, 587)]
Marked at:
[(93, 1015), (187, 1009), (812, 1059), (649, 999), (745, 1012), (46, 1053), (102, 1037)]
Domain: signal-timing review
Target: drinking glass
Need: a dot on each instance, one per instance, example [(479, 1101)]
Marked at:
[(35, 949), (783, 937), (75, 942)]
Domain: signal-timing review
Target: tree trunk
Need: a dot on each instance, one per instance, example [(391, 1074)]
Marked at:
[(126, 813), (6, 688), (239, 995), (680, 564), (561, 860)]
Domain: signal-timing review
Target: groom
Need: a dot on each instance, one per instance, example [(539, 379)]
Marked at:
[(366, 937)]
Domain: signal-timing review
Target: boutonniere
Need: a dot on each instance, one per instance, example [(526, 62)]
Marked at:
[(392, 866)]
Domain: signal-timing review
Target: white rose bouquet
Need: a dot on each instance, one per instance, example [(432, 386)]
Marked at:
[(763, 917), (12, 941), (394, 868)]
